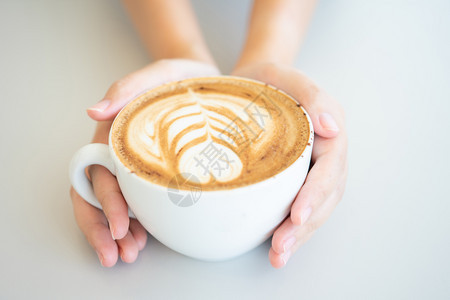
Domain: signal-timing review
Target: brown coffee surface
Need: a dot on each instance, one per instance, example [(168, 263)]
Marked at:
[(218, 132)]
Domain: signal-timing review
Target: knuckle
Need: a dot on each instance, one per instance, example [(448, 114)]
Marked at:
[(310, 89), (322, 192), (93, 231), (108, 197), (317, 191), (117, 84), (122, 83), (311, 226)]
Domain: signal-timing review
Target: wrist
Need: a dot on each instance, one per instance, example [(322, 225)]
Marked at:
[(247, 61), (275, 32), (187, 50)]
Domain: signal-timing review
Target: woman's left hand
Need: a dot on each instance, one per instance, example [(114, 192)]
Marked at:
[(325, 183)]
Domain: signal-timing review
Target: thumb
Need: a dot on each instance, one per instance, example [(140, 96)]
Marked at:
[(153, 75), (325, 112), (320, 107)]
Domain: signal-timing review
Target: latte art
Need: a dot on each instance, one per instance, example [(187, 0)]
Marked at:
[(225, 134)]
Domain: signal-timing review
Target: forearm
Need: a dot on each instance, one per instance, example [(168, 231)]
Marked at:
[(168, 29), (276, 30)]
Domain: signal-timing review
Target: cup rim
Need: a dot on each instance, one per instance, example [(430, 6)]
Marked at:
[(309, 144)]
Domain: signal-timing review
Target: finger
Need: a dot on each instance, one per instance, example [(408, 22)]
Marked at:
[(326, 114), (139, 233), (288, 238), (288, 234), (275, 259), (128, 248), (285, 236), (325, 179), (329, 169), (110, 197), (155, 74), (94, 226), (279, 260), (291, 237)]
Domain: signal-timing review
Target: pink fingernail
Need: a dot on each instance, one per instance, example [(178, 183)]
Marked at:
[(287, 245), (112, 233), (285, 257), (100, 106), (305, 215), (328, 122), (100, 257)]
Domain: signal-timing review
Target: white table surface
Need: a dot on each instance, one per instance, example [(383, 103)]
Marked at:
[(386, 61)]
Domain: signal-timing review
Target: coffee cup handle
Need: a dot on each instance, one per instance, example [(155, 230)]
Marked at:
[(92, 154)]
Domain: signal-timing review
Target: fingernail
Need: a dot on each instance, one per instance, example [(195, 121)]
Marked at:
[(305, 215), (328, 122), (285, 257), (100, 257), (112, 233), (100, 106), (287, 245)]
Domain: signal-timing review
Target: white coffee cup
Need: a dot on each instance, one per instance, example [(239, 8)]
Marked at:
[(220, 225)]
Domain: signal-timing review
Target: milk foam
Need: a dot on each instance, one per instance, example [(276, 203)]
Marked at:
[(226, 132), (184, 133)]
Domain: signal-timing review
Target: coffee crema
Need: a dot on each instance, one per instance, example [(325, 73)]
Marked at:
[(217, 132)]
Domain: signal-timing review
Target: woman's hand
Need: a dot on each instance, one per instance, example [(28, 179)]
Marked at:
[(111, 232), (324, 185)]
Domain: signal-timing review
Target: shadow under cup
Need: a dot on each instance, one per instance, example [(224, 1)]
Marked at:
[(206, 224)]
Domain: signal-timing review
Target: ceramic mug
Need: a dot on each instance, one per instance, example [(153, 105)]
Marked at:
[(219, 225)]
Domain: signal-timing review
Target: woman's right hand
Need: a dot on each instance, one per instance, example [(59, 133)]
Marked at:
[(111, 232)]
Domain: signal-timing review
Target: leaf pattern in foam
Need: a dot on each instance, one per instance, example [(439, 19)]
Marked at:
[(201, 134), (194, 139)]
